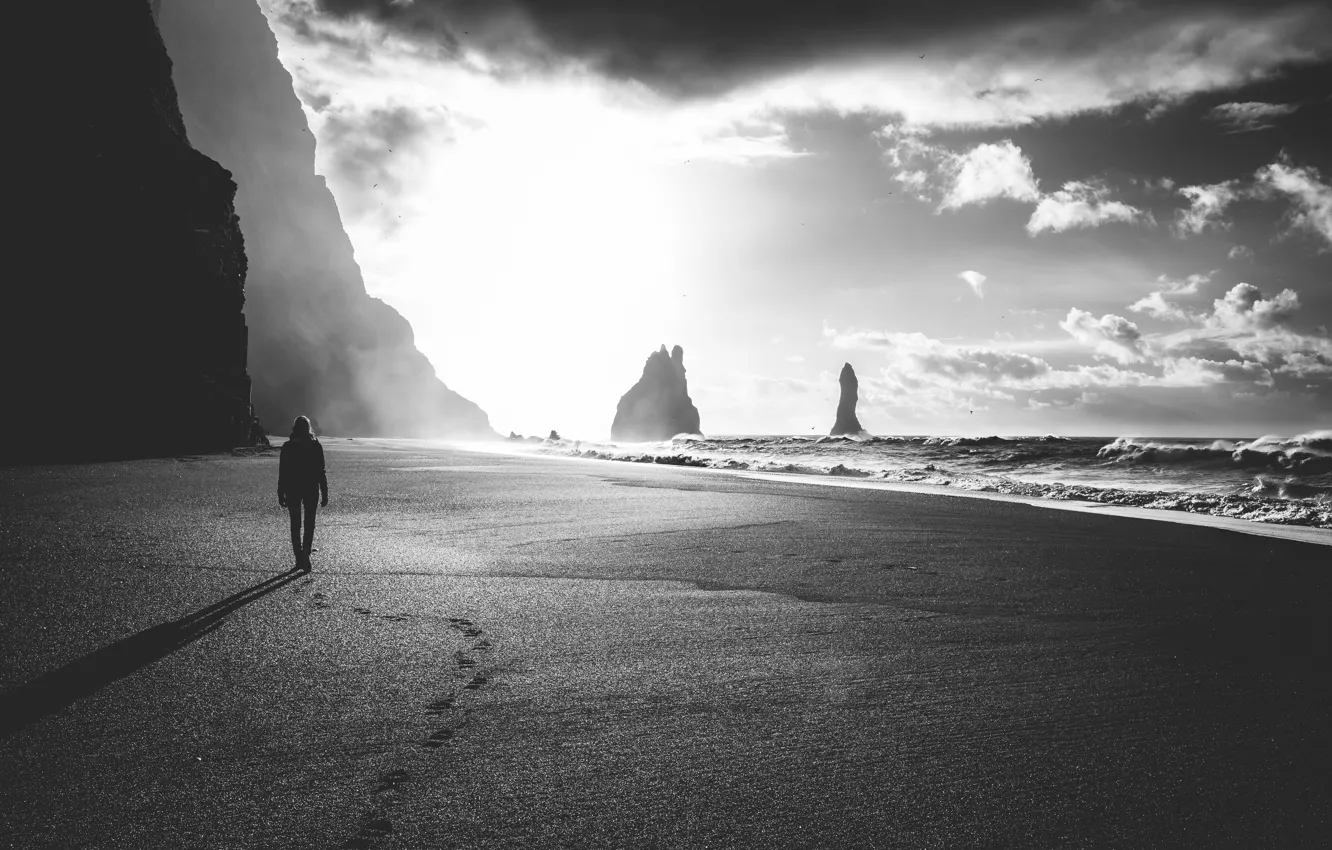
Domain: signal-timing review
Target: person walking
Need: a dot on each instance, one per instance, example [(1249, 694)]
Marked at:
[(302, 480)]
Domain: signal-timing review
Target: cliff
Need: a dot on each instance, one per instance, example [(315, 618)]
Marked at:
[(123, 333), (847, 424), (657, 407), (319, 344)]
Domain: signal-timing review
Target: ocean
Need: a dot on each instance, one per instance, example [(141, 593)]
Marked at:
[(1272, 479)]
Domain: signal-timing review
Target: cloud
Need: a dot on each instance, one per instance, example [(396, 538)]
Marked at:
[(980, 64), (996, 170), (934, 357), (1244, 307), (1155, 304), (975, 280), (1157, 307), (1197, 372), (1243, 341), (365, 149), (927, 372), (1304, 186), (977, 176), (1206, 205), (990, 171), (1250, 116), (1240, 252), (1081, 204), (1247, 326), (1111, 335), (1188, 286)]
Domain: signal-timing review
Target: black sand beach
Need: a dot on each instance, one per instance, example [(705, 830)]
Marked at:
[(525, 652)]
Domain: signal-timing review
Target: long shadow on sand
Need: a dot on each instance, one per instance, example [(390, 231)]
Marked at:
[(47, 694)]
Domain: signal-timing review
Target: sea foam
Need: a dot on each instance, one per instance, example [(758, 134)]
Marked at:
[(1271, 479)]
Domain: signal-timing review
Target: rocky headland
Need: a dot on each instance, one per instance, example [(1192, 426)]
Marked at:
[(319, 344), (123, 334), (657, 407)]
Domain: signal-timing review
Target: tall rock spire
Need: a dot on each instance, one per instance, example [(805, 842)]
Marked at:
[(847, 424)]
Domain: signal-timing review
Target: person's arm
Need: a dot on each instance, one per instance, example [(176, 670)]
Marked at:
[(323, 477), (282, 476)]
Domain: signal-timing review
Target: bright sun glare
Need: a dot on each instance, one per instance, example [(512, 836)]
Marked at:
[(539, 243)]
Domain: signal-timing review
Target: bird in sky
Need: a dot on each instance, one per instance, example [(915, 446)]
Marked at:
[(922, 56)]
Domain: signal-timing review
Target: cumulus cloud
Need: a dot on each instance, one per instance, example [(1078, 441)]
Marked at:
[(1247, 326), (997, 170), (1250, 116), (1304, 186), (1111, 335), (1081, 204), (991, 171), (1240, 252), (1207, 204), (1244, 307), (975, 280), (985, 172)]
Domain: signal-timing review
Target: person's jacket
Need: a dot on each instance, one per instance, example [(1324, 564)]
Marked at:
[(301, 468)]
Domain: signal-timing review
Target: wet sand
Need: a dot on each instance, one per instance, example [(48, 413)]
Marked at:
[(516, 652)]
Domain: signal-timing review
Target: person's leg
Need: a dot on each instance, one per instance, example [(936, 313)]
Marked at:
[(311, 502), (294, 508)]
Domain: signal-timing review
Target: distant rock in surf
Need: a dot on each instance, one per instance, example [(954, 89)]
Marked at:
[(657, 407), (847, 424)]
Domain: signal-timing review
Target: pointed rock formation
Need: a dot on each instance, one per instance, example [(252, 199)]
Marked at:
[(847, 425), (657, 407), (122, 333), (319, 344)]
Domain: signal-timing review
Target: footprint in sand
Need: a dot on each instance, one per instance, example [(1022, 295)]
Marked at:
[(373, 825), (391, 780), (439, 739)]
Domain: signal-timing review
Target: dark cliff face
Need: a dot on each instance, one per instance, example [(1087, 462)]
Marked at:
[(847, 424), (657, 407), (124, 335), (319, 345)]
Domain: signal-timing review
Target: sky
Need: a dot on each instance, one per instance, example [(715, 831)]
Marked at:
[(1107, 218)]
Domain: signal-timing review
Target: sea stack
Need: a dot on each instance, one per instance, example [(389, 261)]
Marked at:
[(847, 425), (123, 331), (319, 344), (657, 407)]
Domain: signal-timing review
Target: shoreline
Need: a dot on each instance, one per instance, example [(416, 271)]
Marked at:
[(1280, 531), (526, 639)]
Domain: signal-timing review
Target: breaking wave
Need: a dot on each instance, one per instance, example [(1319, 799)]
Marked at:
[(1273, 479)]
